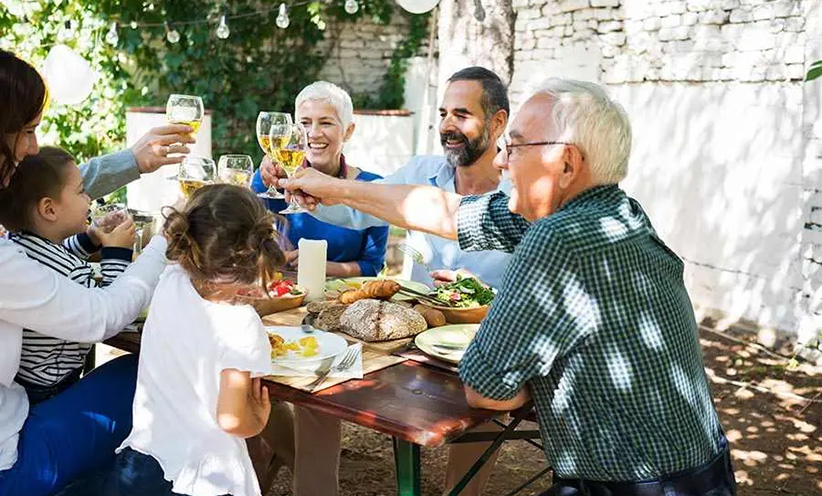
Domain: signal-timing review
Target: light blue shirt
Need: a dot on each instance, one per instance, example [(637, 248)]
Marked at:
[(437, 252)]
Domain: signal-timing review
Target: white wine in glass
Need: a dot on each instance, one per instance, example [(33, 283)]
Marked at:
[(185, 109), (236, 170), (265, 121), (291, 158), (194, 173)]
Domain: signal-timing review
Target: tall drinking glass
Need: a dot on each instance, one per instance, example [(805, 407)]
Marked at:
[(291, 156), (235, 169), (266, 120), (185, 109), (194, 173)]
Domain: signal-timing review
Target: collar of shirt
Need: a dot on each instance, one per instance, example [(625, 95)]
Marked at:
[(603, 191), (444, 177)]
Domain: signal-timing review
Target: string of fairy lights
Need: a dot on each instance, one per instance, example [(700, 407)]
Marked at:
[(223, 31)]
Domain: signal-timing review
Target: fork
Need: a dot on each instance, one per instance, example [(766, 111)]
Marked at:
[(347, 361), (415, 255)]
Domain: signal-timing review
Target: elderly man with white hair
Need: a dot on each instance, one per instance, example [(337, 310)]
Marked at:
[(593, 321)]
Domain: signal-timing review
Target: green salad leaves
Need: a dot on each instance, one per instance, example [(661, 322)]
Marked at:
[(464, 293)]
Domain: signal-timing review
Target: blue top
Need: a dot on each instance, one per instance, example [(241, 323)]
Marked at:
[(364, 246)]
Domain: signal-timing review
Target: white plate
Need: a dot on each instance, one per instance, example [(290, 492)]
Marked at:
[(330, 345), (447, 342), (336, 284)]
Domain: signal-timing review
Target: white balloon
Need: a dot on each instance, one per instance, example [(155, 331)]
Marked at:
[(418, 6), (69, 76)]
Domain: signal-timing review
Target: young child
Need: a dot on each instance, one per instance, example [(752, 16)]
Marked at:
[(198, 388), (46, 209)]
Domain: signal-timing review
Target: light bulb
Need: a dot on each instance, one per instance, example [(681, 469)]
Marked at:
[(65, 34), (222, 29), (172, 35), (111, 37), (282, 20), (351, 6)]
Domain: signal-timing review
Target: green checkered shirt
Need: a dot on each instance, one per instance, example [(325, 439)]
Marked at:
[(593, 316)]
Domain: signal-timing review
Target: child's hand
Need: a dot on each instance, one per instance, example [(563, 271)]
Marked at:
[(121, 236), (259, 402)]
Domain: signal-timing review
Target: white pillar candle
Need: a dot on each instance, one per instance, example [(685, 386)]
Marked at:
[(311, 268)]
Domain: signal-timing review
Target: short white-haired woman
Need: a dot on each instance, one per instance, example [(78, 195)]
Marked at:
[(327, 113), (306, 441)]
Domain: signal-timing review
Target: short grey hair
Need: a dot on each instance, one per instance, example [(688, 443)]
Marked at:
[(587, 117), (333, 95)]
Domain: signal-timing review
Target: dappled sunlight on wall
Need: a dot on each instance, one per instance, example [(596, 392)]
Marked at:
[(718, 168)]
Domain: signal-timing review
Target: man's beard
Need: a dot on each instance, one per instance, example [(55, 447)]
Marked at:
[(468, 154)]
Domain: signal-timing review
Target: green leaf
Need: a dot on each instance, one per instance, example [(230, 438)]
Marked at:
[(814, 73)]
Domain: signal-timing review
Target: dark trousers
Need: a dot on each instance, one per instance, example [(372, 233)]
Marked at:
[(715, 478), (133, 474)]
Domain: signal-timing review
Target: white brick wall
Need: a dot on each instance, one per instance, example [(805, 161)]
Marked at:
[(728, 139)]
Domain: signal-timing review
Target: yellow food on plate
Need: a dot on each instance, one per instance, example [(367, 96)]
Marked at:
[(305, 347), (310, 346)]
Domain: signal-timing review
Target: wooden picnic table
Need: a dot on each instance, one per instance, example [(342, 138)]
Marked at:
[(416, 405)]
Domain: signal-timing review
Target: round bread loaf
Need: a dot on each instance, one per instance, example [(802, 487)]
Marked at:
[(376, 320)]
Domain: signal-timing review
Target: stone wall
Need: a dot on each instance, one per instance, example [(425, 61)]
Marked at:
[(360, 54), (726, 154)]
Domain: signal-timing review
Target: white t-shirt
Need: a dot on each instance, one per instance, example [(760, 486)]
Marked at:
[(36, 297), (187, 341)]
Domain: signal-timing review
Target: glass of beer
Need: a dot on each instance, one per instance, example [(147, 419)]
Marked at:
[(265, 121), (185, 109), (235, 169), (291, 156), (194, 173)]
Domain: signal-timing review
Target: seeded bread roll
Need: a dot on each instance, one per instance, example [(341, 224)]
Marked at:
[(319, 306), (374, 320), (329, 318)]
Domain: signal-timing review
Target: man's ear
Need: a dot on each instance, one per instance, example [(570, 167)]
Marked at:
[(499, 121), (47, 209), (574, 164)]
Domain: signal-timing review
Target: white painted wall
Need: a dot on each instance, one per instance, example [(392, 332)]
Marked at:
[(381, 143), (718, 169)]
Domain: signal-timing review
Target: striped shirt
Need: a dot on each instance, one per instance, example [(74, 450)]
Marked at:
[(594, 318), (46, 360)]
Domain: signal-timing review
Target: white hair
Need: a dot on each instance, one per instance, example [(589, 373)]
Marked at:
[(585, 116), (333, 95)]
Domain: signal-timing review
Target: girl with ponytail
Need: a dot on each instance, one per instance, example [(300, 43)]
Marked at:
[(198, 389)]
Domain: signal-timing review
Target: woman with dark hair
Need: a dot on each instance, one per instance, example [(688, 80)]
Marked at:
[(44, 447)]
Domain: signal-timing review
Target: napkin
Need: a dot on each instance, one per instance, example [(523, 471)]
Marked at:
[(294, 370)]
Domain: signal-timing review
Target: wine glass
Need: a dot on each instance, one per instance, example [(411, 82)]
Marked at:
[(185, 109), (291, 156), (235, 169), (194, 173), (265, 121)]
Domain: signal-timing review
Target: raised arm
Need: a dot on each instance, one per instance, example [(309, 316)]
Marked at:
[(420, 208), (103, 175), (37, 298)]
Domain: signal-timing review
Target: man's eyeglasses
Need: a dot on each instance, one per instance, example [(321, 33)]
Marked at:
[(507, 148)]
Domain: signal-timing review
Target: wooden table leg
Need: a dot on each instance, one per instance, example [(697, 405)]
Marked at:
[(407, 464)]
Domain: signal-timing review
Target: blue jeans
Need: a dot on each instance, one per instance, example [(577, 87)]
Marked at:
[(73, 433)]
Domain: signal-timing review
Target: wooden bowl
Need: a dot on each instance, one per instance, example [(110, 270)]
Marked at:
[(472, 315), (267, 306)]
